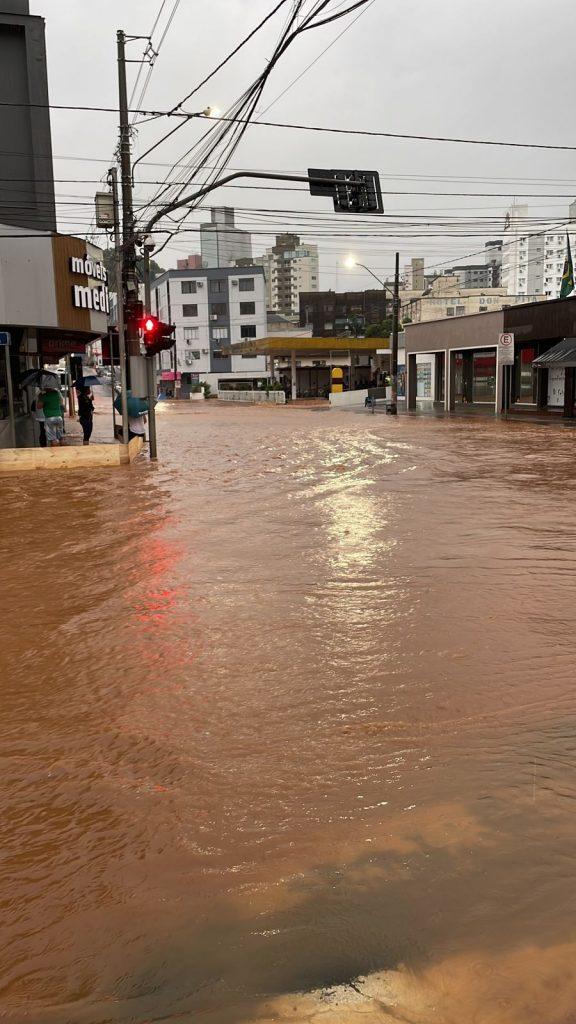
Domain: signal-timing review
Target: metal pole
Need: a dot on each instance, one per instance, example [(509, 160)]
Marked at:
[(150, 368), (293, 372), (394, 354), (10, 392), (129, 279), (120, 303)]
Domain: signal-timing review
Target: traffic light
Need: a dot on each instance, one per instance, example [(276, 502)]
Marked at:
[(157, 336)]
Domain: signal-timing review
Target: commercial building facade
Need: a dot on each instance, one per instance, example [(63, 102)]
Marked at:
[(213, 310), (26, 182), (453, 364), (53, 302)]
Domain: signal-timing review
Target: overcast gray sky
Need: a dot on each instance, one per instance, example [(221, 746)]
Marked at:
[(496, 70)]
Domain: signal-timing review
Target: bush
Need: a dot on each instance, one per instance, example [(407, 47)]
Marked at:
[(207, 388)]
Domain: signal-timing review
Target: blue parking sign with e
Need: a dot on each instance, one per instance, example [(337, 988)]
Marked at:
[(5, 338)]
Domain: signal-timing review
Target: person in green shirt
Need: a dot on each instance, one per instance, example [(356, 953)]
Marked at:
[(52, 405)]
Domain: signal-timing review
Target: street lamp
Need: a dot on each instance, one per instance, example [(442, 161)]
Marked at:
[(351, 261)]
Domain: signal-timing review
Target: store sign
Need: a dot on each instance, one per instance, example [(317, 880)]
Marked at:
[(506, 350), (86, 296)]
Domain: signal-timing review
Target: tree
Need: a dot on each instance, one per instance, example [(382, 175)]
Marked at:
[(381, 330), (110, 264)]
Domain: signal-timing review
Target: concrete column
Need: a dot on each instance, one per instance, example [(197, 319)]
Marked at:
[(451, 382), (293, 375), (411, 381)]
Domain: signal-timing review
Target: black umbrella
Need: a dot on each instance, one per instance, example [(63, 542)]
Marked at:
[(39, 379)]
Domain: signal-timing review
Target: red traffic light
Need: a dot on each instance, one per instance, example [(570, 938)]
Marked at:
[(149, 325), (157, 335)]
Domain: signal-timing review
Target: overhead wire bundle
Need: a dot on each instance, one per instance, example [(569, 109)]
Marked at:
[(207, 159)]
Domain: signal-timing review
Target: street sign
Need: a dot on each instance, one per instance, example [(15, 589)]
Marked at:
[(506, 350), (351, 191), (5, 338)]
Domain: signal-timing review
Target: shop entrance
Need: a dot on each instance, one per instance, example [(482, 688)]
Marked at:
[(474, 377)]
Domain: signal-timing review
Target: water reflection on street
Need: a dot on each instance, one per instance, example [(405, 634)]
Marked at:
[(288, 726)]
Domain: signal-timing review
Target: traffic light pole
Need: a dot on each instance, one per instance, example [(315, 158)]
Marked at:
[(129, 279), (394, 352), (150, 368), (120, 303)]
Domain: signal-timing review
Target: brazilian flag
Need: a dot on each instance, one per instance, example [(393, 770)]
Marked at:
[(567, 286)]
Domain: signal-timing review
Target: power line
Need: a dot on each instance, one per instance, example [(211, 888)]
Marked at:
[(303, 127)]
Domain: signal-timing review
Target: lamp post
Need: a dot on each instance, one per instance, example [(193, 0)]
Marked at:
[(351, 262)]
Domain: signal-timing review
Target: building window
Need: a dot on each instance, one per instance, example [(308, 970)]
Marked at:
[(450, 311), (220, 333), (189, 310), (218, 309), (247, 308), (460, 310), (248, 357), (218, 285), (248, 331), (189, 287), (191, 334), (246, 284), (217, 353)]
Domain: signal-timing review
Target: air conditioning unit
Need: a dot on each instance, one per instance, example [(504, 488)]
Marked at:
[(234, 284), (213, 316), (205, 351), (199, 284)]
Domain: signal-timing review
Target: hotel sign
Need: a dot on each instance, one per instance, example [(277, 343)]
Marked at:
[(90, 297)]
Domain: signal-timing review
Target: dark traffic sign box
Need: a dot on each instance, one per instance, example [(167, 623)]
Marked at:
[(5, 338), (352, 191)]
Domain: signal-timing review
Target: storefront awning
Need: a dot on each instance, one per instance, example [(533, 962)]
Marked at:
[(562, 354)]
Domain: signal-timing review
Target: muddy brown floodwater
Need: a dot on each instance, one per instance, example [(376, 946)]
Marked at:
[(289, 726)]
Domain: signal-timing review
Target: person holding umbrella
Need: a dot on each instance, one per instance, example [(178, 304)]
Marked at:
[(137, 409), (52, 405), (86, 413)]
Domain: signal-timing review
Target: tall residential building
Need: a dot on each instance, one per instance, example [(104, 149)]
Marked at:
[(212, 309), (414, 275), (291, 268), (192, 262), (221, 242), (26, 183), (533, 256), (493, 258)]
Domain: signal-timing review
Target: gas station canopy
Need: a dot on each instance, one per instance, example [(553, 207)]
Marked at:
[(284, 344)]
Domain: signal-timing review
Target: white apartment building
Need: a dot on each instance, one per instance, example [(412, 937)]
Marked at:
[(533, 254), (291, 267), (212, 309)]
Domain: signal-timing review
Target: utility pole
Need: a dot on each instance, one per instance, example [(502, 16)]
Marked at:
[(150, 360), (130, 282), (394, 353), (120, 302)]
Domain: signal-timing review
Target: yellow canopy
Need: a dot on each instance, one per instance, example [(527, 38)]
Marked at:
[(284, 344)]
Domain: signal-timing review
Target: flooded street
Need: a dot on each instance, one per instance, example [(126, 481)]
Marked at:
[(288, 726)]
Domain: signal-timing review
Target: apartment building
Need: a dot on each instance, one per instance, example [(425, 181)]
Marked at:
[(533, 254), (291, 267), (212, 309)]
